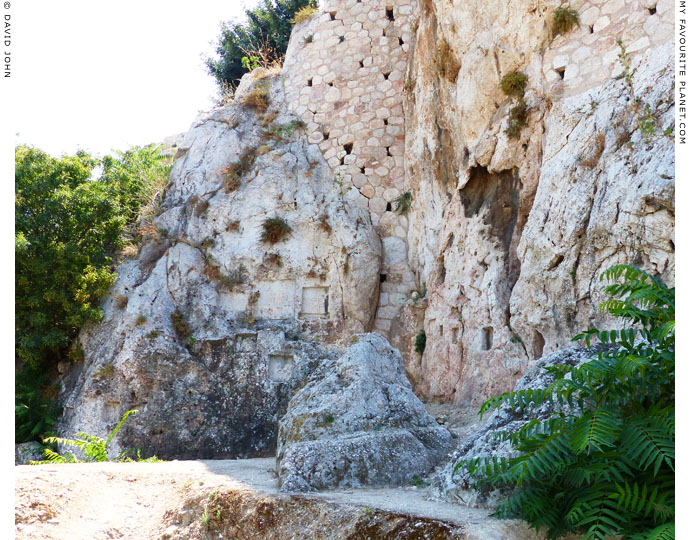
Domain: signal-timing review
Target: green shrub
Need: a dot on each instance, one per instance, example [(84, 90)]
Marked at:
[(420, 341), (275, 229), (403, 203), (35, 410), (68, 227), (604, 466), (514, 83), (565, 19)]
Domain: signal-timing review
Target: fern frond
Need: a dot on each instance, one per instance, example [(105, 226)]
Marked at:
[(649, 442), (595, 430), (667, 531)]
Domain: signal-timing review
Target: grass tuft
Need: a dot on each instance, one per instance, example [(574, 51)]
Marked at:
[(448, 64), (275, 229), (517, 119), (565, 19), (233, 173), (403, 203), (514, 83), (420, 341), (303, 14)]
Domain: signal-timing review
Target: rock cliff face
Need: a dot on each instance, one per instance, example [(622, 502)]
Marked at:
[(194, 333), (383, 105), (509, 235)]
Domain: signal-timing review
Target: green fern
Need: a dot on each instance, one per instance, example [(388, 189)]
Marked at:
[(604, 465), (92, 448)]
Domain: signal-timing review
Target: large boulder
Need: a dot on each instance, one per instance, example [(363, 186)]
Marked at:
[(455, 485), (357, 422)]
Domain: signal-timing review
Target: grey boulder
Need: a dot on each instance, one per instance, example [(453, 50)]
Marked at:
[(357, 422)]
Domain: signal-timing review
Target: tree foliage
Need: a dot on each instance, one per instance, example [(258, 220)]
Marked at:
[(67, 227), (604, 464), (267, 29), (69, 222)]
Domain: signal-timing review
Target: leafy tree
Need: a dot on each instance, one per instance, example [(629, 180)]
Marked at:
[(267, 29), (69, 222), (603, 465)]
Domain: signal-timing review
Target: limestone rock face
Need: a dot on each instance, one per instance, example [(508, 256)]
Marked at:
[(451, 484), (208, 331), (29, 451), (356, 422), (509, 235)]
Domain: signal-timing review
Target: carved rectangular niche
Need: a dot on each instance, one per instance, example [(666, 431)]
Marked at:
[(276, 300), (280, 367), (314, 303)]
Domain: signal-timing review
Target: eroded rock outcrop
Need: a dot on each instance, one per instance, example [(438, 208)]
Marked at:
[(207, 331), (509, 235), (357, 423)]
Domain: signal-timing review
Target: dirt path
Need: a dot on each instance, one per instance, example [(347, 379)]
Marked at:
[(137, 501)]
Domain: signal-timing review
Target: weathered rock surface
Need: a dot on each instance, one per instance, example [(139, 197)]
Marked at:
[(207, 331), (509, 236), (356, 423), (451, 484), (25, 452)]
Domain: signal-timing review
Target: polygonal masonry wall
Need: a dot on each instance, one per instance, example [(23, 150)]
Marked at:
[(589, 55), (344, 76)]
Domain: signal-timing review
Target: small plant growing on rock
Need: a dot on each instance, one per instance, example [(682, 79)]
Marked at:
[(565, 19), (597, 150), (201, 207), (258, 98), (141, 319), (514, 83), (233, 173), (403, 202), (106, 371), (420, 342), (309, 38), (303, 14), (232, 226), (153, 334), (275, 229), (236, 276), (448, 65), (517, 119), (324, 225), (120, 301), (180, 325)]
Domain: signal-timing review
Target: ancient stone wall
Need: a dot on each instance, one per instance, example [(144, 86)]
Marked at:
[(344, 75), (588, 57)]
